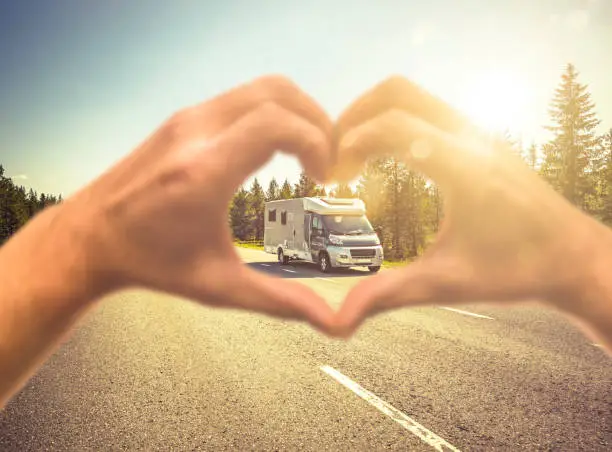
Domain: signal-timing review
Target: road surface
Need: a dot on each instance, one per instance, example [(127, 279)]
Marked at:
[(146, 371)]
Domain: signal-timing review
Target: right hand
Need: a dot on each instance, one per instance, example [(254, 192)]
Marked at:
[(506, 236)]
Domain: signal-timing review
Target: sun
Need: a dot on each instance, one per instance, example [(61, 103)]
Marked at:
[(496, 100)]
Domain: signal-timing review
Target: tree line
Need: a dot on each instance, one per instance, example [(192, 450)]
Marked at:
[(18, 205), (406, 209)]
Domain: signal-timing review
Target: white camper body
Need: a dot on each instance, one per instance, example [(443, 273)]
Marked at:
[(328, 231)]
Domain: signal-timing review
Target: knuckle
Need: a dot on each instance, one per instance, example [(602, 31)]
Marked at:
[(177, 122), (274, 85), (269, 114), (394, 83), (392, 89), (178, 116), (275, 81)]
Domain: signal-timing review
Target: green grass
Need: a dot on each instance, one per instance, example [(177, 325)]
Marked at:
[(394, 264), (251, 245)]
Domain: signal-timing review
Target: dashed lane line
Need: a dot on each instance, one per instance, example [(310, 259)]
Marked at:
[(459, 311), (408, 423), (288, 271)]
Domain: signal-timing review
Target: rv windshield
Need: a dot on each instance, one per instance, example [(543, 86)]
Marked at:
[(347, 224)]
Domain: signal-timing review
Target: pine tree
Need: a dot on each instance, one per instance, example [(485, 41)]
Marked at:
[(273, 192), (32, 202), (305, 187), (257, 202), (395, 212), (5, 221), (240, 218), (18, 205), (414, 193), (286, 192), (567, 157), (371, 190), (433, 206), (13, 214), (43, 202), (343, 190), (320, 191)]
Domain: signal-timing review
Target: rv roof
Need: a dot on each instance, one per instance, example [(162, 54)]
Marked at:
[(324, 206), (334, 206), (338, 202)]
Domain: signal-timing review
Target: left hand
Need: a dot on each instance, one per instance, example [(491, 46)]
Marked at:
[(158, 219)]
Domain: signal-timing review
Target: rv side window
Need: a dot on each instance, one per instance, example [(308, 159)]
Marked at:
[(315, 223), (272, 215), (316, 226), (283, 217)]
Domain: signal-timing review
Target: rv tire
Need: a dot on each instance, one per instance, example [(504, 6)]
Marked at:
[(324, 263), (282, 259)]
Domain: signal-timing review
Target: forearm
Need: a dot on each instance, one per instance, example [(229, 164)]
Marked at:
[(594, 306), (44, 286)]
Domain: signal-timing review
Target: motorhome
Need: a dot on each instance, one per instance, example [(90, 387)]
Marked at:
[(329, 232)]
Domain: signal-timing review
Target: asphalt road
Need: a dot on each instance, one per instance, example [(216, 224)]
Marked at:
[(146, 371)]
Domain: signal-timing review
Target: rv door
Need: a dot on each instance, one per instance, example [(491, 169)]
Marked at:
[(307, 220), (291, 222)]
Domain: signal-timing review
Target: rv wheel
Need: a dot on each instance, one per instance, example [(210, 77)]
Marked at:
[(282, 259), (324, 263), (374, 269)]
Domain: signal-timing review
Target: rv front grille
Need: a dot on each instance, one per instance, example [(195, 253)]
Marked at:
[(366, 252)]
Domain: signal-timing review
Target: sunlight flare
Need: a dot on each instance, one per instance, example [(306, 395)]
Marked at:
[(496, 100)]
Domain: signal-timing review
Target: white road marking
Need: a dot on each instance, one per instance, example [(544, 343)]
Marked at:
[(325, 279), (409, 424), (459, 311), (287, 270), (265, 265)]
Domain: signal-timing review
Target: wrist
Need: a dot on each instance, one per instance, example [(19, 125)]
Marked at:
[(594, 301), (62, 250)]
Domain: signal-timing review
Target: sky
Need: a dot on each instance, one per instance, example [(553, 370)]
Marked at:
[(83, 82)]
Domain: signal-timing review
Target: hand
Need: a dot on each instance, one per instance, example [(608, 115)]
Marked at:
[(158, 219), (506, 236)]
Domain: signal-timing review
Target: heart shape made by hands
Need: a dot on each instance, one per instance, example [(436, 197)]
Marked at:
[(161, 213)]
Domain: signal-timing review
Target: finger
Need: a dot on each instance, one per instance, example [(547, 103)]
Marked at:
[(424, 147), (234, 104), (193, 128), (399, 93), (252, 140), (424, 282), (244, 288)]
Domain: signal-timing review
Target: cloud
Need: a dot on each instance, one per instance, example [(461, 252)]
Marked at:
[(20, 177)]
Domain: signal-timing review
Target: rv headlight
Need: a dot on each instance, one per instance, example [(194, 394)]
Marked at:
[(335, 240)]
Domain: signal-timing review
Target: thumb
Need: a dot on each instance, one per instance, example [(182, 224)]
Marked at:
[(427, 281)]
